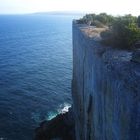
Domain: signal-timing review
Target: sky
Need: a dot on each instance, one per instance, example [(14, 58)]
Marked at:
[(114, 7)]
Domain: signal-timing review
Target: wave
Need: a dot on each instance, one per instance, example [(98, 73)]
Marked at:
[(63, 108)]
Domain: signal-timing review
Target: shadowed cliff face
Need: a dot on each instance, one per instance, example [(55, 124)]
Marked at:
[(105, 90)]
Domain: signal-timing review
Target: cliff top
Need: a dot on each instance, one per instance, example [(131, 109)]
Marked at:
[(121, 32)]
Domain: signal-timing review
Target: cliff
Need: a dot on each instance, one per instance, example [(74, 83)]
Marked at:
[(105, 89)]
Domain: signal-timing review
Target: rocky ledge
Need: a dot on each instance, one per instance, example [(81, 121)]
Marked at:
[(59, 128)]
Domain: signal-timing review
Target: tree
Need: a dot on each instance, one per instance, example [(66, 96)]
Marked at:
[(125, 32)]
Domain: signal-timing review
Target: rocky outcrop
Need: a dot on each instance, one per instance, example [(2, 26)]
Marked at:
[(105, 90), (59, 128)]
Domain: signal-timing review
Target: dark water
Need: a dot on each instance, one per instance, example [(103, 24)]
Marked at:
[(35, 71)]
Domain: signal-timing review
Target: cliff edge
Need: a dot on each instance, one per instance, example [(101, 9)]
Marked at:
[(105, 89)]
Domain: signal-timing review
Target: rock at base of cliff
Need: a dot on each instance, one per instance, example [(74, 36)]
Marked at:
[(59, 128)]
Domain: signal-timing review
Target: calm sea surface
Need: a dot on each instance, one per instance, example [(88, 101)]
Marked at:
[(35, 71)]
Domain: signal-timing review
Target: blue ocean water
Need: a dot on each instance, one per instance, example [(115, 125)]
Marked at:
[(35, 71)]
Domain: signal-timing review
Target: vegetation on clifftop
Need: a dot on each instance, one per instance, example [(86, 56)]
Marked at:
[(123, 31)]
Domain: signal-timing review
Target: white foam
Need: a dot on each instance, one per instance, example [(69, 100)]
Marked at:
[(51, 115), (64, 108)]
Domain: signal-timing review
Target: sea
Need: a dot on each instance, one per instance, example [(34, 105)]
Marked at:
[(35, 71)]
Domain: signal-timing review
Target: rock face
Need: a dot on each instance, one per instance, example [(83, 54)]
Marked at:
[(105, 90), (136, 56), (59, 128)]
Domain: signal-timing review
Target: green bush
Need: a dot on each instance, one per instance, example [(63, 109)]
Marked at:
[(138, 21), (125, 32), (132, 35), (81, 21), (103, 18), (97, 23), (107, 37)]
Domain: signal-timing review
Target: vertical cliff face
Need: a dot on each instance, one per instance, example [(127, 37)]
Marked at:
[(105, 90)]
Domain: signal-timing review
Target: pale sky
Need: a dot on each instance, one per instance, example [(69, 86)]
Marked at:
[(114, 7)]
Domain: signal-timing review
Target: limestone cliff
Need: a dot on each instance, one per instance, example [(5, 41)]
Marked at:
[(105, 90)]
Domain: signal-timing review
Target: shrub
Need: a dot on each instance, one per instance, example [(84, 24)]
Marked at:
[(107, 37), (97, 23), (132, 35), (81, 21), (123, 34), (103, 18), (138, 21)]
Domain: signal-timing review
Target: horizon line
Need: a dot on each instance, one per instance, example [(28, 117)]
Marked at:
[(64, 12)]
